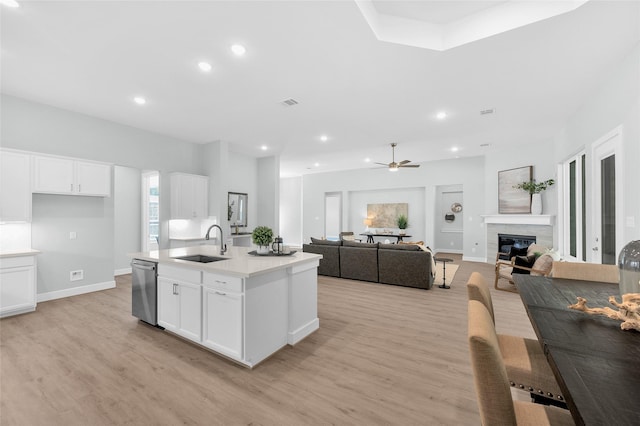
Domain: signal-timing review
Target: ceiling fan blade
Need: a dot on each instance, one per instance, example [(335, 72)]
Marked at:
[(409, 165), (382, 164), (404, 162)]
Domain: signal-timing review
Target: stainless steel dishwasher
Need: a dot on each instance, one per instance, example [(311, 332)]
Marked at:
[(144, 290)]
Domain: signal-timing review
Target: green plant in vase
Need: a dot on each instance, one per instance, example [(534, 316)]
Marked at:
[(403, 223), (262, 236), (535, 188)]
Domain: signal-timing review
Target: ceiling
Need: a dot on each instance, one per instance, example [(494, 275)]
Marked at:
[(94, 57)]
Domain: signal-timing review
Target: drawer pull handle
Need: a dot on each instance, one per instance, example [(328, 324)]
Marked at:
[(221, 282), (221, 293)]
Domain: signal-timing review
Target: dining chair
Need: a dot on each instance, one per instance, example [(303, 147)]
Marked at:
[(526, 364), (495, 402), (586, 272)]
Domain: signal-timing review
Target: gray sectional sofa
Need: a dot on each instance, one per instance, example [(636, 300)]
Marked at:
[(397, 264)]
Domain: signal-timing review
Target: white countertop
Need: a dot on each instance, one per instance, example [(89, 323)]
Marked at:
[(239, 263), (17, 253)]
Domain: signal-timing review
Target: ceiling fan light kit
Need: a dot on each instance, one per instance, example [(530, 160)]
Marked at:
[(393, 166)]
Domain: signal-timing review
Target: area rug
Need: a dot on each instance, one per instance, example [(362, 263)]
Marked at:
[(451, 272)]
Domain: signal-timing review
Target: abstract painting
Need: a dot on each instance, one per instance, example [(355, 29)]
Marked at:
[(510, 199)]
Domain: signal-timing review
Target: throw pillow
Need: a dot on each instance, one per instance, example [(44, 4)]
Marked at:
[(542, 265), (325, 242), (526, 261)]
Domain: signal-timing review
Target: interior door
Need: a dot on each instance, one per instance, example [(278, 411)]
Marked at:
[(607, 200)]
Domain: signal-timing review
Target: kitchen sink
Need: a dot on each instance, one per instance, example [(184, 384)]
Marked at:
[(200, 258)]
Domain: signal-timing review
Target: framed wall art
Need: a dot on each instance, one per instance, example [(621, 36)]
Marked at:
[(510, 199)]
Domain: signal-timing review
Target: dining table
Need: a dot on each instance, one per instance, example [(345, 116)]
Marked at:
[(596, 363)]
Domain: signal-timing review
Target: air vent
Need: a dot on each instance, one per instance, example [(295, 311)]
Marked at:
[(487, 111), (289, 102)]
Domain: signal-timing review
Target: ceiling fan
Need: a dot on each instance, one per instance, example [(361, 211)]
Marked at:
[(393, 166)]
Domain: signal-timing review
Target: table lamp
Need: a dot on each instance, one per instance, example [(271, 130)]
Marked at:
[(368, 223)]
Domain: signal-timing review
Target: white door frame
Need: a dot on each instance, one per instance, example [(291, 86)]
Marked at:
[(607, 145)]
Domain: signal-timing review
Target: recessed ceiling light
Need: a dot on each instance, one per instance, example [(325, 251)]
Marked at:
[(441, 115), (455, 149), (10, 3), (139, 100), (238, 49), (367, 160), (324, 138), (204, 66), (316, 164), (264, 147)]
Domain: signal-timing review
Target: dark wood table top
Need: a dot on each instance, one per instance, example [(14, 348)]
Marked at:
[(597, 364)]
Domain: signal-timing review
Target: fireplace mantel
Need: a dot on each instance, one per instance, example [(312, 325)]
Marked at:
[(520, 219)]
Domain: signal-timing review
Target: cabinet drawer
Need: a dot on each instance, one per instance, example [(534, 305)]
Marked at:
[(16, 262), (182, 274), (222, 282)]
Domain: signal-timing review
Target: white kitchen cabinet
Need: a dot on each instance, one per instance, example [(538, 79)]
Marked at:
[(15, 186), (60, 175), (222, 321), (180, 307), (189, 196), (17, 285)]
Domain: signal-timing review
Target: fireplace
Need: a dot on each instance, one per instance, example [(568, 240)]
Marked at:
[(508, 241)]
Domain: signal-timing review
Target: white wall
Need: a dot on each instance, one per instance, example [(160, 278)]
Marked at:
[(290, 211), (127, 232)]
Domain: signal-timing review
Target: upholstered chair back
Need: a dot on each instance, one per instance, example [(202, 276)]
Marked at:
[(489, 373), (477, 289), (586, 272)]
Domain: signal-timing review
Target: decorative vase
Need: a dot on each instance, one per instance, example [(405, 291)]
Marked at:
[(402, 232), (536, 203), (263, 250), (629, 265)]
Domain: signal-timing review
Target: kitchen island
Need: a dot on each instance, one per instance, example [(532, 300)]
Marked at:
[(242, 306)]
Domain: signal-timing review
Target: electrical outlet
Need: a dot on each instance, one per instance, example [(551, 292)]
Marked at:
[(73, 235), (76, 275)]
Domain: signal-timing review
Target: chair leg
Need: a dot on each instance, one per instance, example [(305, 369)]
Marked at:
[(512, 289)]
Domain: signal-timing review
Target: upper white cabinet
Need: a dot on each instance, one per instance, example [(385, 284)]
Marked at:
[(189, 196), (59, 175), (15, 187)]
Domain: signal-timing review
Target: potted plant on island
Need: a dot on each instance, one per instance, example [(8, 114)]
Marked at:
[(403, 223), (262, 236), (535, 188)]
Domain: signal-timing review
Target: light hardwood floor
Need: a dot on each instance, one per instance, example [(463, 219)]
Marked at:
[(383, 355)]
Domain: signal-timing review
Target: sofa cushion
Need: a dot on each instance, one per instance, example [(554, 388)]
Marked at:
[(359, 245), (325, 242), (330, 262), (406, 247)]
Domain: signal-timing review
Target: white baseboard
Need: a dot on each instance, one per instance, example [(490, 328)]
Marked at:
[(474, 259), (123, 271), (74, 291), (444, 250)]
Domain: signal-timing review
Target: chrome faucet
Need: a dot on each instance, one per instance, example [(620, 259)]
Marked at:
[(223, 246)]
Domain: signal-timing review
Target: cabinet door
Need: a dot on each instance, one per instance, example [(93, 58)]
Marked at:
[(17, 290), (223, 322), (15, 187), (93, 178), (168, 304), (53, 175), (201, 197), (189, 196), (190, 311)]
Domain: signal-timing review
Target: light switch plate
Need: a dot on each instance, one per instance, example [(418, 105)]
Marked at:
[(73, 235)]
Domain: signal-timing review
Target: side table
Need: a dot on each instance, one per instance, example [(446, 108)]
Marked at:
[(444, 261)]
